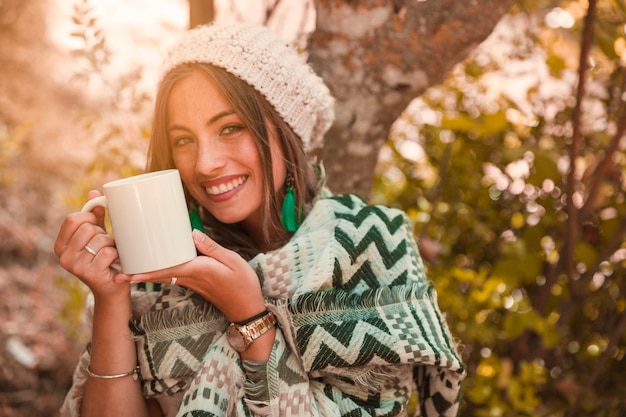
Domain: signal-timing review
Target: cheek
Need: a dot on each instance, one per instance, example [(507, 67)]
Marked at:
[(185, 166)]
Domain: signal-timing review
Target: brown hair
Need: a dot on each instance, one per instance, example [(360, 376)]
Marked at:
[(258, 115)]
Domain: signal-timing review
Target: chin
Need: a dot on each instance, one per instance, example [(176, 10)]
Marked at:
[(229, 219)]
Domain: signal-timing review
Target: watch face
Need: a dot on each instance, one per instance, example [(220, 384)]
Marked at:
[(235, 338)]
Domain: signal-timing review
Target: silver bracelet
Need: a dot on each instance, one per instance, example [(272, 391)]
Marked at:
[(134, 373)]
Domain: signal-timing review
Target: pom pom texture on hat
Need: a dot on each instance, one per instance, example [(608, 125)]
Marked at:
[(260, 58)]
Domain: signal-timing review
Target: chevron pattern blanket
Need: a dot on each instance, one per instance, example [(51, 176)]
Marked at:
[(359, 328)]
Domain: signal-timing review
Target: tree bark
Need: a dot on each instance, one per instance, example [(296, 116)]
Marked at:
[(378, 55), (201, 12)]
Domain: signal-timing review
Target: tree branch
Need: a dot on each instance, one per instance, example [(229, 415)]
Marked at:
[(566, 253), (573, 226), (601, 170)]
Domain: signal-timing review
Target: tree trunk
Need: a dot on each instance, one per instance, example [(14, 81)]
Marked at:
[(200, 12), (378, 55)]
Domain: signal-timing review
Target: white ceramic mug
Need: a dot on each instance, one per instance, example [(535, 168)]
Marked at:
[(150, 222)]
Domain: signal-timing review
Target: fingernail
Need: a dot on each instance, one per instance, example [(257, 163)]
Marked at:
[(198, 235), (136, 279)]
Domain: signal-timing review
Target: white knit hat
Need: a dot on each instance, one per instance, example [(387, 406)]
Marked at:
[(259, 57)]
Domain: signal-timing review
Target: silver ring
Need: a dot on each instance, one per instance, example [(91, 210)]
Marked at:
[(173, 280), (88, 249)]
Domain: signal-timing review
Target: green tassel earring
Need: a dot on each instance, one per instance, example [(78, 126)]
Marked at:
[(288, 217), (196, 220), (289, 212)]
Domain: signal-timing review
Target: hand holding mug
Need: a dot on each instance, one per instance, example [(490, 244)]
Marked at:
[(96, 267), (220, 275), (149, 218)]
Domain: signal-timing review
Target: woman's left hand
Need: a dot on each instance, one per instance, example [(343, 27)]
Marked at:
[(220, 275)]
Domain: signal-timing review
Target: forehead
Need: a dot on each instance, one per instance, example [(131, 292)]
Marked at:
[(194, 86)]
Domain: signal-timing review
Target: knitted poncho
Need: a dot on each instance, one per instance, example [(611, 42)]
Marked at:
[(359, 326)]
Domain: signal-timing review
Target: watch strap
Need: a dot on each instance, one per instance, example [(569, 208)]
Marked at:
[(253, 330), (253, 318)]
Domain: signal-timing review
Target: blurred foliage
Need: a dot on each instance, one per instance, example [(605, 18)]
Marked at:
[(119, 118), (72, 313), (10, 141), (481, 165)]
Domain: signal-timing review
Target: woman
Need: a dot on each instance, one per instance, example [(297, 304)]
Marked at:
[(299, 303)]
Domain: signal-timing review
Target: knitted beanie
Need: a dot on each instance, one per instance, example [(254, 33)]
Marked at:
[(257, 56)]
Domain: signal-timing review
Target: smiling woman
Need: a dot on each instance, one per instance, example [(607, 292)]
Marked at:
[(330, 316)]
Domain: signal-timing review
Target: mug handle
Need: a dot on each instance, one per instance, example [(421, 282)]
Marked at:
[(95, 202), (102, 202)]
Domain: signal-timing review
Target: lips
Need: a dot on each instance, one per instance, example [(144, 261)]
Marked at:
[(216, 190)]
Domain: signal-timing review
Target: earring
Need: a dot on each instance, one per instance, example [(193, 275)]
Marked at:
[(289, 216), (194, 217)]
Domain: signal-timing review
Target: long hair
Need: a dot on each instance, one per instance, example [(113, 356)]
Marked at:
[(261, 118)]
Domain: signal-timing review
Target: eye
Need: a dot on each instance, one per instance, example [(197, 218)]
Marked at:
[(232, 129), (180, 141)]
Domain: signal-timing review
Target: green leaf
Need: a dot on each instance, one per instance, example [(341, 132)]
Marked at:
[(586, 253), (516, 323)]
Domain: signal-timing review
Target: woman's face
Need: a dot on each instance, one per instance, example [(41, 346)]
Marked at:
[(216, 153)]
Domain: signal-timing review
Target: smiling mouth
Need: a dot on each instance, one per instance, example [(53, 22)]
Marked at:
[(225, 187)]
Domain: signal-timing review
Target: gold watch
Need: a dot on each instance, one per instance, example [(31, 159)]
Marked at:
[(241, 336)]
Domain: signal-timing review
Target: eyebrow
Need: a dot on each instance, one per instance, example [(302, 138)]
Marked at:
[(220, 115), (210, 122)]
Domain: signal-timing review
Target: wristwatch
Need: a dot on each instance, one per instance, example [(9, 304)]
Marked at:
[(241, 336)]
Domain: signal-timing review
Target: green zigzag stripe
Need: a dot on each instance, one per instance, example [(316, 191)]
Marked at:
[(370, 347), (353, 406), (303, 337), (389, 257), (363, 274), (194, 346), (180, 369), (327, 357), (393, 224), (343, 331), (350, 201)]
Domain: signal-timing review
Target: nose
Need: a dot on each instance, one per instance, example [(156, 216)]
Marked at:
[(211, 157)]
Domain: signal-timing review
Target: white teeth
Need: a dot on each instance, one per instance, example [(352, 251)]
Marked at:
[(222, 188)]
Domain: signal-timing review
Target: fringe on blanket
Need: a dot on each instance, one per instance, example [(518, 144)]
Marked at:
[(342, 301)]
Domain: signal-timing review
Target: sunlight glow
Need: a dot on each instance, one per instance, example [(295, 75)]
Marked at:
[(486, 370), (619, 255), (573, 347), (559, 18), (411, 151), (518, 169), (619, 46), (593, 350), (598, 280)]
